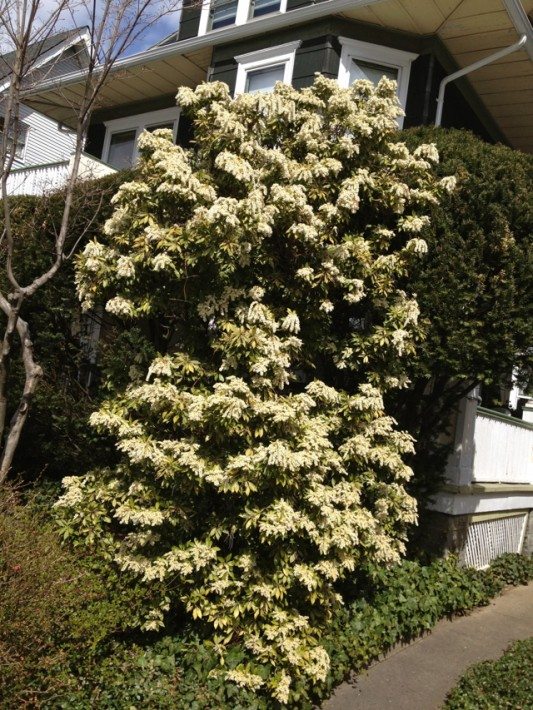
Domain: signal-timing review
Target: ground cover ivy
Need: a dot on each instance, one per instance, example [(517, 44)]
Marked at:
[(504, 684), (259, 468)]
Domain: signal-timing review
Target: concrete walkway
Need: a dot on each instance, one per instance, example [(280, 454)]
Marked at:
[(418, 676)]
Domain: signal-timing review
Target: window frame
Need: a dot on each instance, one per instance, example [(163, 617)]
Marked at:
[(23, 132), (209, 27), (353, 49), (284, 54), (242, 16), (138, 123)]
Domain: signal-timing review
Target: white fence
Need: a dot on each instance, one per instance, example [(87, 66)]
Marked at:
[(38, 179), (503, 449)]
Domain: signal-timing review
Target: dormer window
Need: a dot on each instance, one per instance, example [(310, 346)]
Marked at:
[(359, 69), (222, 13), (258, 72), (264, 80), (217, 14)]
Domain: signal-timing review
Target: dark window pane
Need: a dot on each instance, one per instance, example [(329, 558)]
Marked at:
[(20, 142), (223, 13), (370, 71), (160, 125), (265, 7), (121, 149)]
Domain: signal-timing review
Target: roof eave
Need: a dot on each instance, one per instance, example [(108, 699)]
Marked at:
[(216, 37)]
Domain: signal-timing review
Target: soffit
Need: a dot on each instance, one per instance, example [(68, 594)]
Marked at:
[(471, 30), (129, 85)]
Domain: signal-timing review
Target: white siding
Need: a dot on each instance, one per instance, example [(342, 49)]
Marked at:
[(46, 141)]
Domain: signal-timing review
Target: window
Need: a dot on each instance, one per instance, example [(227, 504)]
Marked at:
[(362, 60), (122, 134), (121, 149), (259, 71), (222, 13), (157, 126), (20, 140), (360, 69), (264, 7), (258, 80), (217, 14)]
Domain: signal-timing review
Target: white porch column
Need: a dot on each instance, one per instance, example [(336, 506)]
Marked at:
[(460, 468)]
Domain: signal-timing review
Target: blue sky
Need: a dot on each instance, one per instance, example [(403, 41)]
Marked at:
[(155, 34)]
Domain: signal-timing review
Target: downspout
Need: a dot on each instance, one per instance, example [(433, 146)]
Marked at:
[(472, 67)]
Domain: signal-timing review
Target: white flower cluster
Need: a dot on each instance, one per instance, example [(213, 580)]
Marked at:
[(120, 306), (125, 267), (245, 679), (449, 183)]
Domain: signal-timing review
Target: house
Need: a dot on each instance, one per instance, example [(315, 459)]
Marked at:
[(459, 63), (43, 145), (250, 44)]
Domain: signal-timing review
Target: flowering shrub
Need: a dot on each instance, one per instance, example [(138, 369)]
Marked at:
[(259, 467)]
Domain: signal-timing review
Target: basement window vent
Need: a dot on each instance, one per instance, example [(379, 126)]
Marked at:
[(488, 539)]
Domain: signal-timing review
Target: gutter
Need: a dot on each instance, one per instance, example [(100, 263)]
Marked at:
[(521, 22), (215, 37), (473, 67), (273, 23)]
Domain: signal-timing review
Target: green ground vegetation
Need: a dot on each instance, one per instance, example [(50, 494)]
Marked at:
[(505, 684)]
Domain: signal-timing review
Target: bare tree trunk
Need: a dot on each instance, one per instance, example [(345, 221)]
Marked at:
[(5, 357), (33, 373)]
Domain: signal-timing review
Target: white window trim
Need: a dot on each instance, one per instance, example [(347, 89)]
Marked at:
[(271, 56), (242, 16), (26, 128), (387, 56), (139, 122)]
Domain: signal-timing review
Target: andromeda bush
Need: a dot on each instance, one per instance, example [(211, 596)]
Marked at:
[(259, 468)]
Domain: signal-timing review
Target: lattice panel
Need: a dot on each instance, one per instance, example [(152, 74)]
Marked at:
[(488, 539)]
